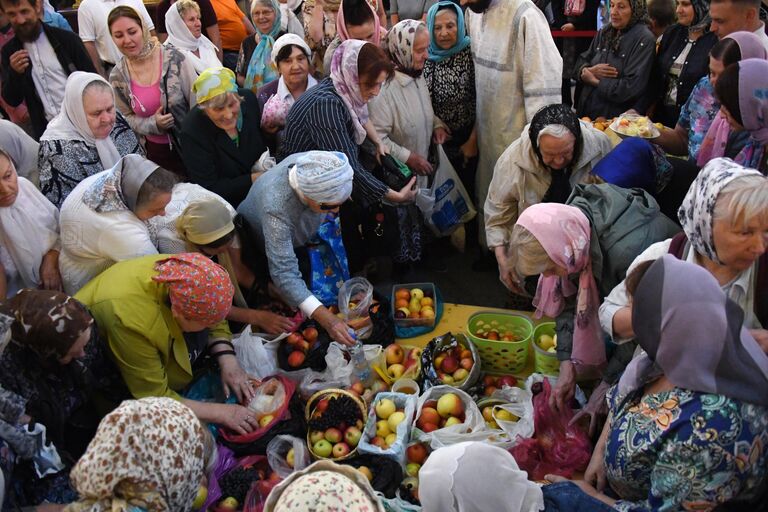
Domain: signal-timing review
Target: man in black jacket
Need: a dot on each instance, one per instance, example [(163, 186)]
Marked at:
[(35, 64)]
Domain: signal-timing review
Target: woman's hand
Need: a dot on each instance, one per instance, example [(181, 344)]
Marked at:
[(601, 71), (761, 337), (419, 164), (568, 27), (269, 322), (337, 329), (440, 135), (164, 122), (565, 388), (595, 473), (505, 271), (405, 195), (50, 278), (469, 149), (595, 408), (234, 378), (256, 175), (235, 417)]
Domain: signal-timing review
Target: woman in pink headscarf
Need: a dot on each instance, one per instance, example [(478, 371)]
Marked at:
[(357, 19)]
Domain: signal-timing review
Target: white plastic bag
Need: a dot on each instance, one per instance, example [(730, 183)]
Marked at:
[(357, 291), (397, 450), (277, 450), (473, 428), (520, 403), (338, 373), (257, 355), (397, 504), (268, 397), (446, 204)]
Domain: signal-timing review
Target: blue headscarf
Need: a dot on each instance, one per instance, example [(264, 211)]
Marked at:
[(462, 40), (634, 163), (261, 69)]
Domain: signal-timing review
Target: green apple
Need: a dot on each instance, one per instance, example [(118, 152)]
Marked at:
[(322, 448), (384, 408), (229, 504), (412, 469), (289, 458), (202, 495)]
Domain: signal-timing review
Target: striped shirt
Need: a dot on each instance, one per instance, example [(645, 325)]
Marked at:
[(319, 120)]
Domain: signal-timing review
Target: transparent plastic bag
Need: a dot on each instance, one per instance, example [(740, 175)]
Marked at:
[(355, 299), (520, 403), (268, 397), (406, 403), (278, 449), (257, 355), (472, 429)]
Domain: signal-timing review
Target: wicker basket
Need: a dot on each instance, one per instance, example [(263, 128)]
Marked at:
[(501, 356), (546, 362), (310, 410)]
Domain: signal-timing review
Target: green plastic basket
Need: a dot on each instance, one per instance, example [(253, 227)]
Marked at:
[(501, 356), (545, 362)]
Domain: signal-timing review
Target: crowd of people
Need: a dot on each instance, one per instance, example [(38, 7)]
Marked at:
[(166, 182)]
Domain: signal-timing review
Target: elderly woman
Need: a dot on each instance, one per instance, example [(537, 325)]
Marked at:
[(740, 130), (57, 372), (160, 315), (255, 65), (674, 409), (291, 56), (152, 86), (475, 476), (404, 120), (450, 76), (197, 220), (103, 219), (681, 61), (86, 137), (613, 73), (221, 136), (162, 472), (325, 485), (29, 234), (185, 33), (602, 228), (292, 212), (724, 218), (356, 19), (554, 153)]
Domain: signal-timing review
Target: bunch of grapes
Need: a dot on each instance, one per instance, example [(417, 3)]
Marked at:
[(341, 409), (237, 482)]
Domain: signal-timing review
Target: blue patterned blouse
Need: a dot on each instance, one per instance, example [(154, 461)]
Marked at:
[(684, 450)]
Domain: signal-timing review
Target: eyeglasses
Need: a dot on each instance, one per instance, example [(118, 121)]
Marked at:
[(329, 207)]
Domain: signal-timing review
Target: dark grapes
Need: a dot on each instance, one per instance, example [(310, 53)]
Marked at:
[(237, 483), (341, 409)]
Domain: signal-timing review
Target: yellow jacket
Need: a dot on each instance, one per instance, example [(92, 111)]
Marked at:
[(134, 314)]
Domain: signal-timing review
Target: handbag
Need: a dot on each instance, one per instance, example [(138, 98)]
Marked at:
[(574, 7)]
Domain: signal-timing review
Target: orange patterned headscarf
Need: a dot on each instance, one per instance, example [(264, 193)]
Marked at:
[(199, 289)]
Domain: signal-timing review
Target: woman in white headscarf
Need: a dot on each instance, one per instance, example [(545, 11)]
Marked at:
[(292, 210), (182, 20), (476, 477), (29, 234), (103, 219), (86, 137)]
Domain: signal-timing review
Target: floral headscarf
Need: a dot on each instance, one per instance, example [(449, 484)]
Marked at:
[(753, 97), (147, 454), (46, 322), (696, 214), (399, 45), (612, 36), (261, 68), (118, 189), (462, 39), (200, 289), (564, 233), (346, 81)]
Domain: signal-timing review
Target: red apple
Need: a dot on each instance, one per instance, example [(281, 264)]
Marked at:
[(489, 380), (310, 334), (303, 345), (507, 380), (333, 435), (293, 339), (465, 353), (467, 363), (395, 354), (352, 436), (358, 388), (429, 427), (416, 453), (432, 404), (450, 364), (489, 390), (378, 441), (340, 450), (428, 415), (296, 359), (322, 405), (450, 405)]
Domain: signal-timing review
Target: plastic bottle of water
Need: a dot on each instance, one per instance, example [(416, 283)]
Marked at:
[(360, 364)]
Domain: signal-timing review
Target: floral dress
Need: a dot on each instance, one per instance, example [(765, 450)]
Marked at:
[(684, 450), (697, 115)]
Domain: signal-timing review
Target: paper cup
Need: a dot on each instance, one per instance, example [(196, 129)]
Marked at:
[(407, 386)]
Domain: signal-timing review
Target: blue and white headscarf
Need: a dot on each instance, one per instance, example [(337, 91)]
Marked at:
[(462, 39), (261, 68)]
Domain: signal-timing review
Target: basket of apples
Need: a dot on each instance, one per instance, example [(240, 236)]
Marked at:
[(305, 348), (445, 415), (451, 360), (335, 419), (388, 427), (414, 305), (401, 362)]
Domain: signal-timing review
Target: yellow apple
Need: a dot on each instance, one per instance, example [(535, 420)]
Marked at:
[(202, 495), (390, 440), (266, 420), (395, 419), (417, 293), (382, 428), (396, 371)]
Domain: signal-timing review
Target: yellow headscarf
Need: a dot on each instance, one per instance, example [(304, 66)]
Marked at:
[(214, 82)]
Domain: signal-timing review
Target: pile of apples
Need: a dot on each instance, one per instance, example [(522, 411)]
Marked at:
[(548, 343), (447, 411), (500, 414), (491, 383), (413, 304), (453, 365), (399, 361), (335, 428), (301, 343), (493, 331), (335, 442), (388, 417)]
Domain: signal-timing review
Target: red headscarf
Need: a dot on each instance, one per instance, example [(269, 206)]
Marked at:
[(199, 288)]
